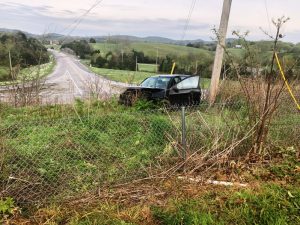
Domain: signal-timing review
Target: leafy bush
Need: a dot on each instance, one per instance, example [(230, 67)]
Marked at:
[(81, 48), (24, 51), (7, 208), (4, 74)]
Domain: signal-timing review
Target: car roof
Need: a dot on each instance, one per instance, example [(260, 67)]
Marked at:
[(171, 75)]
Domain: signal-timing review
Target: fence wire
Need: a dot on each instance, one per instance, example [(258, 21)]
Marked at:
[(45, 160)]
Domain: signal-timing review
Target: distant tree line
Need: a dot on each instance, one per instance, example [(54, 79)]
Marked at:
[(210, 46), (127, 61), (122, 61), (81, 48), (200, 63)]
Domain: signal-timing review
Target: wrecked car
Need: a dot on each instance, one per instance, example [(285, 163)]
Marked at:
[(172, 89)]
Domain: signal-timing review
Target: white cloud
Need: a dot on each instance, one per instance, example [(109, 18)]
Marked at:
[(147, 17)]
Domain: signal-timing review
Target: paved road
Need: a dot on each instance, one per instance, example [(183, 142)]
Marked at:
[(71, 80)]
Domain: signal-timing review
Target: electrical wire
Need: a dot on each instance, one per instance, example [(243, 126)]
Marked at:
[(78, 20), (268, 16), (187, 22)]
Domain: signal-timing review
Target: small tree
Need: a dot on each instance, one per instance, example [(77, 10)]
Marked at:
[(92, 40), (262, 89)]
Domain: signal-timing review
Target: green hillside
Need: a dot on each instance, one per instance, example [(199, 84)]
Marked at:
[(188, 59), (150, 49)]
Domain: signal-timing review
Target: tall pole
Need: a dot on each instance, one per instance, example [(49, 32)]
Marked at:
[(219, 51), (10, 65), (136, 64), (156, 60)]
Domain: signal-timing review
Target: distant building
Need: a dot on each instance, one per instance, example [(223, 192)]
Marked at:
[(54, 42), (237, 46)]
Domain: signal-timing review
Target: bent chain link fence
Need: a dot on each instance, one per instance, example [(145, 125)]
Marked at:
[(55, 159)]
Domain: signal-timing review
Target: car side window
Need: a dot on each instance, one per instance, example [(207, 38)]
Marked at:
[(177, 80), (174, 81), (191, 82)]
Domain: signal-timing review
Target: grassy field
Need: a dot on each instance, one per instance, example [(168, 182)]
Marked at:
[(150, 49), (147, 67), (133, 77), (125, 76), (236, 52)]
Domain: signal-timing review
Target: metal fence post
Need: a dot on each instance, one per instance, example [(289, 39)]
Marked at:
[(183, 132)]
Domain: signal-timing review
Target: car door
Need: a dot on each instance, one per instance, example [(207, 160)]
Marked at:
[(186, 92)]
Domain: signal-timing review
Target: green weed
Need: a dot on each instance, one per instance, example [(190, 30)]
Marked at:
[(270, 205)]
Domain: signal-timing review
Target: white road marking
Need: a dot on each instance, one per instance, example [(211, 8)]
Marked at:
[(79, 90)]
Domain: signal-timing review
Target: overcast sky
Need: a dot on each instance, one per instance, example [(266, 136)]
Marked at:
[(148, 17)]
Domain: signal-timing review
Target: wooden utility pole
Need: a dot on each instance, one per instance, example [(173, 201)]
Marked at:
[(219, 51), (10, 65), (136, 63), (156, 60)]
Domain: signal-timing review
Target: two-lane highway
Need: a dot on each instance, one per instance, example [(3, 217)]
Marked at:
[(71, 80)]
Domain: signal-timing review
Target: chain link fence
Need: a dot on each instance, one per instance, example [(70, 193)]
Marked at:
[(55, 159)]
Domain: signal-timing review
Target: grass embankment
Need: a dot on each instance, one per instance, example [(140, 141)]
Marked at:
[(86, 148), (73, 151), (30, 73)]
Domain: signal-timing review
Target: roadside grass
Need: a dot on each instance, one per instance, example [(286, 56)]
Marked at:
[(267, 205), (189, 204), (32, 73), (71, 150), (79, 151), (39, 71)]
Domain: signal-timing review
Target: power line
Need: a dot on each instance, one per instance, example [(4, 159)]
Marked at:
[(80, 19), (187, 22), (268, 17)]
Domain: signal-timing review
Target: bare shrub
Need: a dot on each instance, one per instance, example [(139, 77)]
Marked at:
[(261, 86)]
